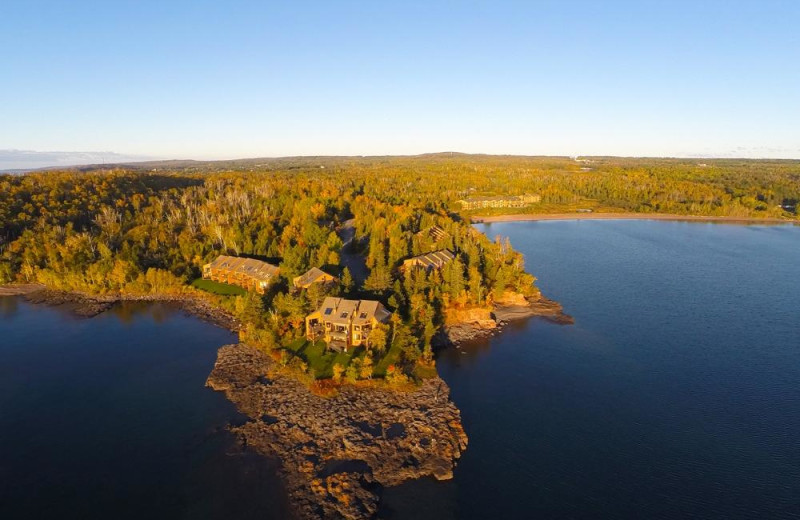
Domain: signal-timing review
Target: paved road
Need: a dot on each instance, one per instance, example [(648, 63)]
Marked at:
[(353, 261)]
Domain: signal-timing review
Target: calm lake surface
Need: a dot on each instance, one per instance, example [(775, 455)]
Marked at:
[(676, 394), (109, 418)]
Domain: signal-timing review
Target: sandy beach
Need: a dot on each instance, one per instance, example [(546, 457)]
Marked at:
[(629, 216)]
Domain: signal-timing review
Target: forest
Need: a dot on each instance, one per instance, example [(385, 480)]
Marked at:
[(149, 229)]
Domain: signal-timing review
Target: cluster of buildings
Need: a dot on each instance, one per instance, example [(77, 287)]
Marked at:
[(513, 201), (340, 322)]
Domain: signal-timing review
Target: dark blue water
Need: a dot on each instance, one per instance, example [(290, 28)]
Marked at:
[(676, 394), (109, 418)]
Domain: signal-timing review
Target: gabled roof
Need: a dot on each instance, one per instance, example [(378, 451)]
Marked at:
[(435, 232), (339, 310), (310, 276), (345, 310), (247, 266), (438, 233), (328, 307), (369, 309), (432, 259)]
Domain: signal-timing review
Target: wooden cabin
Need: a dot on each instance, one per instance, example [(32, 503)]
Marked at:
[(345, 323), (248, 273), (429, 261), (312, 276)]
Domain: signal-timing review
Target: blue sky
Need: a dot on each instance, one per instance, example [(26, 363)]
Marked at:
[(243, 79)]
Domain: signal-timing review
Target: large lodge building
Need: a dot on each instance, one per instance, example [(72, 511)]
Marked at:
[(517, 201), (251, 274), (345, 323)]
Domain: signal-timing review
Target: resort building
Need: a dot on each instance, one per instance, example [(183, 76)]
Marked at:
[(437, 233), (345, 323), (518, 201), (429, 261), (251, 274), (312, 276)]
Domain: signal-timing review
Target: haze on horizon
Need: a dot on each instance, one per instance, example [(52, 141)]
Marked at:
[(206, 80)]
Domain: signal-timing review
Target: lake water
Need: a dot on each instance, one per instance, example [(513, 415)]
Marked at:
[(109, 418), (676, 394)]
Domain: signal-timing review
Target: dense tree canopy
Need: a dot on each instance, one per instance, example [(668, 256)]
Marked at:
[(151, 231)]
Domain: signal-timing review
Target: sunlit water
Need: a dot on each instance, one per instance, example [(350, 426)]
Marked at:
[(676, 394)]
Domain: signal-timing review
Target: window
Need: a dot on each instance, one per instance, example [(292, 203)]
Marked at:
[(328, 311), (344, 315), (363, 315)]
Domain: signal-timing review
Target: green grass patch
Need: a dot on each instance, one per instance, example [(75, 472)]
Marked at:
[(222, 289), (391, 357), (321, 360), (423, 372)]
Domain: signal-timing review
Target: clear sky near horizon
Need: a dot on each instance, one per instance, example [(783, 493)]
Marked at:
[(203, 80)]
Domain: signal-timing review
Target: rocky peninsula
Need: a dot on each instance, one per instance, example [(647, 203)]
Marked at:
[(338, 452)]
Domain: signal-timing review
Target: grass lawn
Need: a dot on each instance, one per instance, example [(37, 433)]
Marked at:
[(321, 361), (218, 288), (390, 358)]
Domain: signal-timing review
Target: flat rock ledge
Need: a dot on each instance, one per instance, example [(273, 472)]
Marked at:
[(338, 452), (501, 315)]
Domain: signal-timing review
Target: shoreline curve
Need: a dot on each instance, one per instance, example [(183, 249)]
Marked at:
[(628, 216)]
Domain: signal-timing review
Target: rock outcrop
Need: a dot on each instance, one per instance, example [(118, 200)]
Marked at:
[(465, 325), (338, 452)]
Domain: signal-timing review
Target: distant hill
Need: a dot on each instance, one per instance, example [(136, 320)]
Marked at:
[(21, 161), (341, 161)]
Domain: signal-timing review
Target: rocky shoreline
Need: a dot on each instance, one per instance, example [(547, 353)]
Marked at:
[(501, 315), (88, 306), (338, 452)]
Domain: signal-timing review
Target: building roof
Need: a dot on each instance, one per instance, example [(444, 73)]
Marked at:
[(310, 276), (328, 306), (432, 259), (438, 233), (338, 310), (369, 309), (501, 198), (247, 266)]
